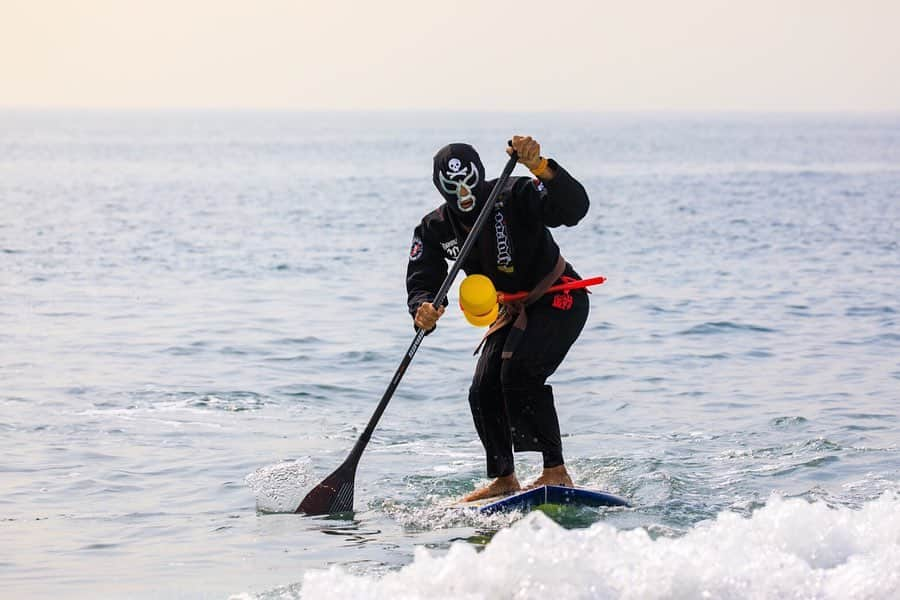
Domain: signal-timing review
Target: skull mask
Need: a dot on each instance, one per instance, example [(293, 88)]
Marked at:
[(459, 177), (462, 188)]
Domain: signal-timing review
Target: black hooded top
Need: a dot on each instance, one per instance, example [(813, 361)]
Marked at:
[(515, 248)]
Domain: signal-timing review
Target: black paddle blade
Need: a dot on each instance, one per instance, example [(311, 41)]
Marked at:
[(333, 495)]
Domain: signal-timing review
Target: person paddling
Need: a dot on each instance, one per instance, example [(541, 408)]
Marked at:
[(511, 404)]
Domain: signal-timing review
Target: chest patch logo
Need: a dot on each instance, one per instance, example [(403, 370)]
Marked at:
[(451, 248)]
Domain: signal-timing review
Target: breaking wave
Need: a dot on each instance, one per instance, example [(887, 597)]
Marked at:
[(787, 549)]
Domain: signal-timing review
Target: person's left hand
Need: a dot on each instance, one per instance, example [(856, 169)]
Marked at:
[(529, 150)]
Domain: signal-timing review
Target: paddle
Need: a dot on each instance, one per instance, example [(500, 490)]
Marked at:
[(335, 493)]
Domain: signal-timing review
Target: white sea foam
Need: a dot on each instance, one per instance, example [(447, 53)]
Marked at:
[(787, 549), (442, 514), (280, 487)]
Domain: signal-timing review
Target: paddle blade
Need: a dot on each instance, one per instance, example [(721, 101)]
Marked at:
[(333, 495)]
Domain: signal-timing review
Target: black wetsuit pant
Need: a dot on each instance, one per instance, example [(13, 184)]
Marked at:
[(511, 405)]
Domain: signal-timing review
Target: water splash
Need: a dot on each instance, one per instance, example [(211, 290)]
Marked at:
[(279, 488), (440, 513)]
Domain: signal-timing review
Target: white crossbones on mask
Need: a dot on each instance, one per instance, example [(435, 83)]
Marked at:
[(465, 201)]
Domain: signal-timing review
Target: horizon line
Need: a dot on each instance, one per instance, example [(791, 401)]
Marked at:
[(455, 110)]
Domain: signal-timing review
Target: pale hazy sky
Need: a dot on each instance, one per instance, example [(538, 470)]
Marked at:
[(452, 54)]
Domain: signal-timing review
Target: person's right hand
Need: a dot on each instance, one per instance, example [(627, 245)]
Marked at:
[(427, 316)]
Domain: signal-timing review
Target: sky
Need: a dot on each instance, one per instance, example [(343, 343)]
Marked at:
[(558, 55)]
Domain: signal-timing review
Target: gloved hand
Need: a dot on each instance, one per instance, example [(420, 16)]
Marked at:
[(529, 151), (427, 316)]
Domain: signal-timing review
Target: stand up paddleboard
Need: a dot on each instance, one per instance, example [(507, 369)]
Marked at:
[(547, 494)]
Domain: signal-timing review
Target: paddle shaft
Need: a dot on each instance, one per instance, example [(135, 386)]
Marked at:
[(471, 239)]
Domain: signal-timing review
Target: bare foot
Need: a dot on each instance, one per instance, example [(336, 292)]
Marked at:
[(553, 476), (498, 487)]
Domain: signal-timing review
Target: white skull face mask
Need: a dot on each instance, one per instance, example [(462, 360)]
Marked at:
[(465, 198)]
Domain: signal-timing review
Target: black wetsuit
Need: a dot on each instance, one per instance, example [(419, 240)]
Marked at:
[(511, 405)]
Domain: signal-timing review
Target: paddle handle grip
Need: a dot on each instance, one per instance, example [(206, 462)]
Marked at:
[(505, 298)]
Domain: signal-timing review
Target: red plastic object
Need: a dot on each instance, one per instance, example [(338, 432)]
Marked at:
[(504, 298)]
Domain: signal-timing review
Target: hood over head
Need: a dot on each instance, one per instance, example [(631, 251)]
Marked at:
[(458, 175)]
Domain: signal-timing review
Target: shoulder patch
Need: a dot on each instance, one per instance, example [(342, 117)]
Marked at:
[(539, 185), (415, 250)]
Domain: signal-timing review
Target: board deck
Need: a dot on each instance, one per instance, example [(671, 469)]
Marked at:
[(547, 494)]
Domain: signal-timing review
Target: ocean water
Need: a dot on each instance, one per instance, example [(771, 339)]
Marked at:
[(199, 312)]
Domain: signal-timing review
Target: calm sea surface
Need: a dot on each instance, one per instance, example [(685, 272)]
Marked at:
[(199, 312)]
